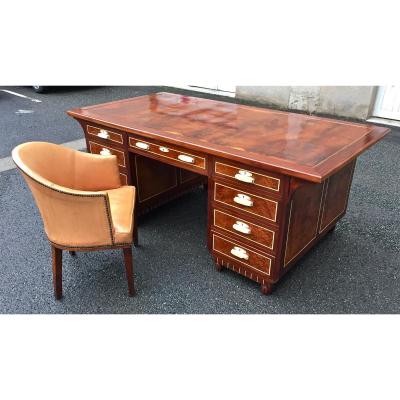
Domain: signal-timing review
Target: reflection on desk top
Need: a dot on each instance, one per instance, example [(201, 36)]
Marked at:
[(295, 144)]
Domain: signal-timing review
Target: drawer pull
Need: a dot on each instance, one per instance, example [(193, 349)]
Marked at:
[(240, 253), (141, 145), (105, 152), (244, 176), (244, 200), (164, 149), (185, 158), (241, 227), (103, 134)]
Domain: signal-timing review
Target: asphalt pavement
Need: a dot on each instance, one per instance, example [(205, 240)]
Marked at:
[(354, 270)]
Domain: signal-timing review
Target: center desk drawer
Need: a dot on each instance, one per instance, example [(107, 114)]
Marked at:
[(250, 203), (248, 230), (242, 254), (169, 152), (96, 148)]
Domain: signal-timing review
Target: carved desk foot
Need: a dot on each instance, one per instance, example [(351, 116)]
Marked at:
[(266, 288)]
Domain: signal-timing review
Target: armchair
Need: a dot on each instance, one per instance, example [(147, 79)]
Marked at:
[(81, 201)]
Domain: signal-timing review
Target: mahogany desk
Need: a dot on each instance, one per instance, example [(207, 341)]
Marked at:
[(277, 181)]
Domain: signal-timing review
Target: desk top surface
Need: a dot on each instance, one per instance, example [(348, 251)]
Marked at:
[(295, 144)]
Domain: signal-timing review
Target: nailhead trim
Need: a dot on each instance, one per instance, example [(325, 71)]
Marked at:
[(90, 247), (108, 212)]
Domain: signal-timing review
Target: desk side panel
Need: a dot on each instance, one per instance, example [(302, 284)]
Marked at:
[(314, 210)]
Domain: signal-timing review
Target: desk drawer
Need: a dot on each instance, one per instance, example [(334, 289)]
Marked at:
[(240, 226), (248, 176), (96, 148), (105, 134), (168, 152), (250, 203), (242, 254)]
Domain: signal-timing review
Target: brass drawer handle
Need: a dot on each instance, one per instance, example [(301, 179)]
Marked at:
[(164, 149), (241, 227), (243, 199), (105, 152), (244, 176), (240, 253), (141, 145), (185, 158), (103, 134)]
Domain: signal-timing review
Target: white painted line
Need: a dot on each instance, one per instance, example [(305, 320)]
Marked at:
[(21, 95), (24, 112), (7, 163)]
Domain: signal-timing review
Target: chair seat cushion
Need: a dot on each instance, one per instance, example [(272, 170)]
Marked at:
[(122, 203)]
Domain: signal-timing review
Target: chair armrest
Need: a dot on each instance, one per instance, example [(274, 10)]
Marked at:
[(95, 172)]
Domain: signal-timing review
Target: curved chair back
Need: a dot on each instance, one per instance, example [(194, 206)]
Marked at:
[(59, 179)]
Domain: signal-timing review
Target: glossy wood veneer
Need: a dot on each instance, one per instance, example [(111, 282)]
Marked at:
[(160, 151), (256, 234), (302, 168), (98, 148), (308, 147), (105, 134), (257, 262), (261, 207), (238, 173)]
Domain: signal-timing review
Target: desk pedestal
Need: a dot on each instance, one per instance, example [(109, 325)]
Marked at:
[(259, 222)]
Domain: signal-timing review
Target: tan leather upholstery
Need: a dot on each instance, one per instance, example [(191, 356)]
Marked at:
[(122, 202), (79, 195)]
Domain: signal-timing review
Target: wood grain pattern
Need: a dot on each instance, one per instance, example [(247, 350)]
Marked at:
[(124, 178), (304, 211), (256, 261), (57, 271), (304, 146), (270, 182), (302, 168), (258, 234), (337, 193), (169, 153), (153, 178), (157, 182), (262, 207), (129, 270), (112, 136), (97, 148)]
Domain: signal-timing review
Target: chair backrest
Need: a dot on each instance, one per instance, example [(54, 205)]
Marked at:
[(50, 161), (72, 218)]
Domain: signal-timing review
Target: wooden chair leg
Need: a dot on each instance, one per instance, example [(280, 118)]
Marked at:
[(129, 270), (135, 222), (57, 272)]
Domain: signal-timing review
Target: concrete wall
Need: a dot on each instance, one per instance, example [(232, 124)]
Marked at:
[(340, 101)]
